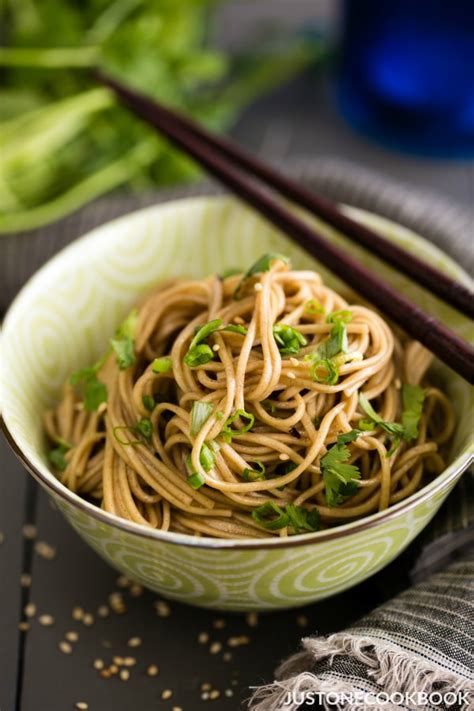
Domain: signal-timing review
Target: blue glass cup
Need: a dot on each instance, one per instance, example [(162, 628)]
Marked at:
[(407, 73)]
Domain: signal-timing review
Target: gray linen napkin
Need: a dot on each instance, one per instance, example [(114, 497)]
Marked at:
[(414, 652)]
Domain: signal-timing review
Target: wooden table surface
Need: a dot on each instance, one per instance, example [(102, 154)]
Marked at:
[(34, 674)]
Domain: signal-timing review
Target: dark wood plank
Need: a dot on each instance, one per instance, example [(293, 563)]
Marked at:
[(78, 577), (15, 507)]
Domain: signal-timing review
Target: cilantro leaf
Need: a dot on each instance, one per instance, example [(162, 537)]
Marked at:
[(339, 477), (392, 428), (94, 391), (301, 518), (57, 455)]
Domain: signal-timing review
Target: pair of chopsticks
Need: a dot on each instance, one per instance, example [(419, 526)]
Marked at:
[(226, 161)]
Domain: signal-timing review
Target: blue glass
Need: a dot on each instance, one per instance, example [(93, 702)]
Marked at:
[(407, 73)]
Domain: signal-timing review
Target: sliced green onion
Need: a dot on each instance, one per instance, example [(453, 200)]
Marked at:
[(313, 308), (261, 265), (343, 316), (288, 339), (124, 344), (145, 428), (235, 328), (227, 431), (161, 365), (57, 455), (196, 480), (205, 331), (207, 457), (324, 371), (270, 516), (149, 402), (199, 415), (199, 355), (255, 474)]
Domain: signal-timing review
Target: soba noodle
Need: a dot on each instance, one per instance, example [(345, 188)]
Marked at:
[(305, 413)]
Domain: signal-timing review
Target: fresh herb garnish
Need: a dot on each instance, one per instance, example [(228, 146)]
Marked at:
[(392, 428), (199, 415), (143, 428), (302, 519), (347, 437), (94, 391), (413, 398), (149, 402), (261, 265), (124, 342), (231, 271), (255, 474), (235, 328), (198, 352), (343, 316), (313, 308), (339, 477), (57, 455), (325, 371), (270, 516), (207, 459), (228, 432), (288, 339), (161, 365), (196, 480)]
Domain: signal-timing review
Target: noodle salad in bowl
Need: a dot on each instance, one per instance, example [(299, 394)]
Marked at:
[(250, 405), (249, 440)]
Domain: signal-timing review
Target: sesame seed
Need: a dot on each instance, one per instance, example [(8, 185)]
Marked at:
[(203, 637), (258, 287), (71, 636), (166, 694), (30, 609), (238, 641), (65, 647), (44, 550), (46, 620), (129, 661), (294, 361), (136, 590), (116, 603), (177, 708), (215, 648), (82, 706), (229, 693), (239, 319), (23, 626), (25, 580), (113, 669), (162, 608), (284, 457), (152, 670), (105, 674), (214, 694), (103, 611), (98, 664), (216, 347), (252, 619), (227, 656), (291, 375), (302, 621), (219, 624), (77, 613), (206, 686), (123, 581), (88, 619), (124, 674), (134, 642), (118, 660), (29, 531)]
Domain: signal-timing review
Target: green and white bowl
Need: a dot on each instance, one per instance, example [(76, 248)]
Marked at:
[(62, 320)]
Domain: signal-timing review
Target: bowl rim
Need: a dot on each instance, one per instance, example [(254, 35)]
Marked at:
[(56, 488)]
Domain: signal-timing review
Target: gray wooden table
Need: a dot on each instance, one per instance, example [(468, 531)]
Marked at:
[(299, 120)]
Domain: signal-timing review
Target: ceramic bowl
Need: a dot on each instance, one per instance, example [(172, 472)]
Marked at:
[(62, 319)]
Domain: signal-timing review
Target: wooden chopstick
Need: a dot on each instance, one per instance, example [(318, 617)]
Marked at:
[(424, 328)]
